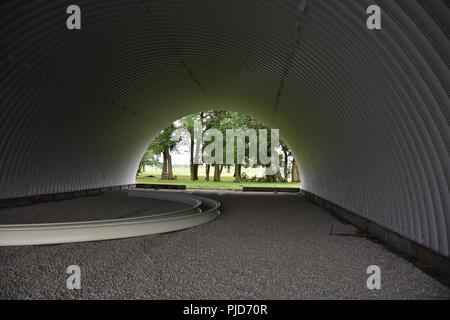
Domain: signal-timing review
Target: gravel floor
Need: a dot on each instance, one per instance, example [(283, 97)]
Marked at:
[(264, 246), (108, 206)]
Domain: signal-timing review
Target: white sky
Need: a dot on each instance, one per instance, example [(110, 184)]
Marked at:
[(181, 155)]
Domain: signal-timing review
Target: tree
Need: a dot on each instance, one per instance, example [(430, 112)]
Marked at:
[(216, 121), (188, 124), (236, 121), (286, 154), (148, 159), (295, 172), (222, 121), (164, 144), (210, 120)]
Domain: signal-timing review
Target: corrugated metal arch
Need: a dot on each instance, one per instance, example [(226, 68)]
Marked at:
[(366, 112)]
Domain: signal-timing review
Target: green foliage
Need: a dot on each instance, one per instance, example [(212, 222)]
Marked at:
[(189, 121), (220, 120), (256, 179), (150, 158), (163, 141)]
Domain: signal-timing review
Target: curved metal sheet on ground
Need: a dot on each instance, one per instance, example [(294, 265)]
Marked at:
[(366, 112), (201, 210)]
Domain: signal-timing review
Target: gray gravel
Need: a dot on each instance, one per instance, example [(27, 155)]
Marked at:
[(107, 206), (264, 246)]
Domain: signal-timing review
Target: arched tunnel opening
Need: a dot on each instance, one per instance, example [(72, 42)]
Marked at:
[(359, 89), (219, 149)]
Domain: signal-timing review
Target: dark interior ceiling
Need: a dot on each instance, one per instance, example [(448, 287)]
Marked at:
[(365, 111)]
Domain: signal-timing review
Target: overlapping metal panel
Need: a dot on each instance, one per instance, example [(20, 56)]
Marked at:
[(366, 111)]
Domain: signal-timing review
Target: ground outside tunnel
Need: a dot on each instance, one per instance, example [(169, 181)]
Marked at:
[(263, 246)]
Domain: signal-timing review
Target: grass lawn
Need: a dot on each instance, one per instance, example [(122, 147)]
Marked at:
[(183, 178)]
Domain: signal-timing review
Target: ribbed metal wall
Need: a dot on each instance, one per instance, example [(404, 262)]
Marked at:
[(366, 112)]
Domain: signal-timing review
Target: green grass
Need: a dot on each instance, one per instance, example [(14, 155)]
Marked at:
[(227, 182)]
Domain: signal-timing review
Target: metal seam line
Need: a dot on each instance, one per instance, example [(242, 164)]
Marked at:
[(183, 62), (290, 57)]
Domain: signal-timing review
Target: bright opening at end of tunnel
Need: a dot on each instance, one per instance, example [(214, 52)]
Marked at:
[(219, 150)]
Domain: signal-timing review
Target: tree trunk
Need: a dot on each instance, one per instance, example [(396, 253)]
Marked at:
[(228, 168), (169, 166), (207, 172), (237, 172), (194, 174), (164, 166), (167, 171), (280, 177), (193, 166), (217, 172), (295, 172), (286, 160)]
